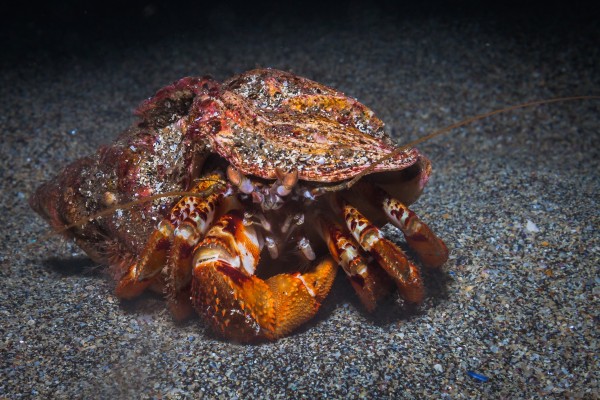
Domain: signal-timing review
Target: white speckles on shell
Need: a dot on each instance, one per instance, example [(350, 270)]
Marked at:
[(169, 148), (279, 120)]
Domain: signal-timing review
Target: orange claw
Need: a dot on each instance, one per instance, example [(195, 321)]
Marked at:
[(237, 305), (179, 270), (242, 306), (388, 255), (297, 297), (246, 308)]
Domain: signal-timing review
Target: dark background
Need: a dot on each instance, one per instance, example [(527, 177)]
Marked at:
[(60, 29)]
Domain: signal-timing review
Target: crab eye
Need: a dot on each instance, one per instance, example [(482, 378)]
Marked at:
[(246, 186), (307, 194), (283, 191)]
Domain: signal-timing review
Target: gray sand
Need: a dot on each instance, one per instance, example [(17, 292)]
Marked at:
[(514, 197)]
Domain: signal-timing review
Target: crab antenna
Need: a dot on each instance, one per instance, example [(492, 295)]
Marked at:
[(439, 132)]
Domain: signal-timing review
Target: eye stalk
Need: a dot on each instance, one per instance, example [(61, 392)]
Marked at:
[(285, 181), (240, 180)]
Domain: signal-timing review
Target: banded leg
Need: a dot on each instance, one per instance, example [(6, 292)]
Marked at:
[(238, 304), (368, 279), (388, 255), (432, 251), (173, 241)]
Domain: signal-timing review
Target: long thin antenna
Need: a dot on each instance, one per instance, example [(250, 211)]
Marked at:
[(125, 206), (397, 151)]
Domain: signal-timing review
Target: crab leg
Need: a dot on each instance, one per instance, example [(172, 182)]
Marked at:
[(432, 251), (153, 258), (174, 239), (242, 306), (388, 255), (368, 279)]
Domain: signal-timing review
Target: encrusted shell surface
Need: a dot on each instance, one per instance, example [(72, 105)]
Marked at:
[(266, 119)]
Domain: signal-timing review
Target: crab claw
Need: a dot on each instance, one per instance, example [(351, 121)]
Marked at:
[(238, 304)]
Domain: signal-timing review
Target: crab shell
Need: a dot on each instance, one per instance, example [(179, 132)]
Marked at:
[(259, 121)]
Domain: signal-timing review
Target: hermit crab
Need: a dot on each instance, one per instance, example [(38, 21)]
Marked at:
[(241, 199)]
